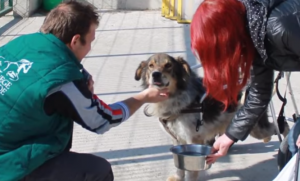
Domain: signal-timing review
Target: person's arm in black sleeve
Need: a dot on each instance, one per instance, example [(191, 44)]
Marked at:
[(257, 101), (74, 100), (282, 41)]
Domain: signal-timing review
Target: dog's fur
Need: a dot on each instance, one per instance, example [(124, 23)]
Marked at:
[(164, 71)]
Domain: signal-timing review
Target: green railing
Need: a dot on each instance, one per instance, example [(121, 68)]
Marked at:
[(5, 6)]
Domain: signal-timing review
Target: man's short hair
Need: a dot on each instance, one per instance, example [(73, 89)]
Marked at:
[(68, 19)]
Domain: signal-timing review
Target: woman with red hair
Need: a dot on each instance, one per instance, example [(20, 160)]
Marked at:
[(248, 39)]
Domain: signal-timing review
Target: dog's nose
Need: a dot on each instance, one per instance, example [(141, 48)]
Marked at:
[(156, 75)]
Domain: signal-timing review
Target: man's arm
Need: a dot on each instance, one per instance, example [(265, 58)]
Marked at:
[(134, 103), (74, 100)]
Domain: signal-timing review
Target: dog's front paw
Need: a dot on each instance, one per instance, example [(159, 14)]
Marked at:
[(174, 178)]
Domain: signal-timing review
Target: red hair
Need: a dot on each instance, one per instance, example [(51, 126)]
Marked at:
[(220, 39)]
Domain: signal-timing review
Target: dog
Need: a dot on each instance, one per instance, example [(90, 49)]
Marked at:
[(179, 115)]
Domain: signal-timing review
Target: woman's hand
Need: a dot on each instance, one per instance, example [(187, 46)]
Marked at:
[(219, 149)]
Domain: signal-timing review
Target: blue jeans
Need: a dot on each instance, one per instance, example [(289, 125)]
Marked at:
[(293, 136)]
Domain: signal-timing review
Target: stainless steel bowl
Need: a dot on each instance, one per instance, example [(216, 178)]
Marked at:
[(191, 157)]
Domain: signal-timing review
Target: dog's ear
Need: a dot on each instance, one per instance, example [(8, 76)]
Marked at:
[(185, 65), (139, 70)]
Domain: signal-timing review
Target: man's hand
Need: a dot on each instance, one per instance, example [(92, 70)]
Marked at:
[(150, 95), (221, 145), (298, 142), (91, 84), (153, 95)]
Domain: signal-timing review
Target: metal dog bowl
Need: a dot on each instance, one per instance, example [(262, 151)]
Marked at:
[(191, 157)]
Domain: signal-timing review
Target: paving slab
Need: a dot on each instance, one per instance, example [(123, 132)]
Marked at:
[(138, 149)]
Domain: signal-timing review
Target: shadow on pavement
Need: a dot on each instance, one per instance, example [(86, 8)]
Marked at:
[(150, 153), (125, 155), (134, 152), (189, 54), (140, 160), (262, 171), (253, 148), (10, 24)]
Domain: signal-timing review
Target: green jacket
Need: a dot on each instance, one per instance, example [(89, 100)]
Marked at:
[(30, 66)]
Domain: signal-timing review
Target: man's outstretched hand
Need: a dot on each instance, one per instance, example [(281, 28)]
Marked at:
[(154, 95), (219, 149), (149, 95)]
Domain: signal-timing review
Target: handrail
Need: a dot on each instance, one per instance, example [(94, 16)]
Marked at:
[(5, 6)]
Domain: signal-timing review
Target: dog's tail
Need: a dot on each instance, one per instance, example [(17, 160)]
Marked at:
[(263, 129)]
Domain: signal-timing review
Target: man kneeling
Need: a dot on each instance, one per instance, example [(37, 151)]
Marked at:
[(43, 89)]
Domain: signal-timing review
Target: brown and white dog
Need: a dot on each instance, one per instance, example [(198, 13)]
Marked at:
[(175, 115)]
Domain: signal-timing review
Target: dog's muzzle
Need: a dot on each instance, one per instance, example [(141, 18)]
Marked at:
[(156, 76), (157, 79)]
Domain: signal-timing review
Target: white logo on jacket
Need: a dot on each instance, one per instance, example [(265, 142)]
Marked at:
[(11, 70)]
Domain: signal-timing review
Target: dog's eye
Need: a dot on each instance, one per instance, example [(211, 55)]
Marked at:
[(168, 65), (151, 65)]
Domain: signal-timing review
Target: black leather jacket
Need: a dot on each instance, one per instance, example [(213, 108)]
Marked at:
[(275, 29)]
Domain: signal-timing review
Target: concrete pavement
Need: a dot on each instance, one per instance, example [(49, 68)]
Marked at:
[(138, 149)]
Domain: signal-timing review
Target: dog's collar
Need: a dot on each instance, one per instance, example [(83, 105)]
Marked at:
[(196, 107)]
